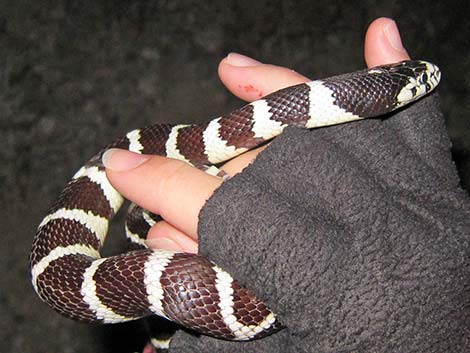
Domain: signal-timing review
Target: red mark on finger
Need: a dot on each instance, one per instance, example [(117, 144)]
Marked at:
[(252, 90)]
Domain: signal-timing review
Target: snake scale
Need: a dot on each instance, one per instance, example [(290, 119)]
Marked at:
[(68, 272)]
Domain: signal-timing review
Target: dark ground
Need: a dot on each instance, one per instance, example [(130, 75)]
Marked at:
[(73, 75)]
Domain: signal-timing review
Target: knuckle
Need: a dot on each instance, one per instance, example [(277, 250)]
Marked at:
[(168, 175)]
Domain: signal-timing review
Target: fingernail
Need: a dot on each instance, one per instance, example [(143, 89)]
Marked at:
[(240, 60), (163, 243), (393, 36), (121, 160)]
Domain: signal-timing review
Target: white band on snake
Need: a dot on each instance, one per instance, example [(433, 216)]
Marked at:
[(68, 271)]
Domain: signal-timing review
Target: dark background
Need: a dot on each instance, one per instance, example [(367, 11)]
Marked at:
[(75, 74)]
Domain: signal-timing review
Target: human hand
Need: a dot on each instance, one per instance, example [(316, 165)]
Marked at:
[(177, 191)]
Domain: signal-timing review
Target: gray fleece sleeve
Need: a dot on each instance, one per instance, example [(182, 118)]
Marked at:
[(356, 235)]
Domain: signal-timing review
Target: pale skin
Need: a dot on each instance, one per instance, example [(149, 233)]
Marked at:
[(177, 191)]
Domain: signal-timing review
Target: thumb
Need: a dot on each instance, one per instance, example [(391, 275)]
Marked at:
[(383, 43)]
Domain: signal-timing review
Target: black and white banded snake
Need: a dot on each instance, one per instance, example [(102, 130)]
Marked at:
[(68, 271)]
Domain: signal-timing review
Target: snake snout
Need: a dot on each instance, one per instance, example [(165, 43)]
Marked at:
[(427, 74), (422, 78)]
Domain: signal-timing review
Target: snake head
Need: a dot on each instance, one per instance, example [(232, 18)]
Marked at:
[(421, 76)]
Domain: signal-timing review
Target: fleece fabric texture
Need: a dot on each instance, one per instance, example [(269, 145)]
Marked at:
[(356, 236)]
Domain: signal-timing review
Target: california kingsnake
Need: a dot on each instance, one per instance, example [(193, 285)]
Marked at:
[(70, 275)]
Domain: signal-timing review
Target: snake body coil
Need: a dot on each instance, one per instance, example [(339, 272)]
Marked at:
[(68, 271)]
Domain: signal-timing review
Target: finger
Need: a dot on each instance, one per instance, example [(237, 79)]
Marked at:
[(164, 236), (236, 165), (383, 43), (249, 79), (168, 187)]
